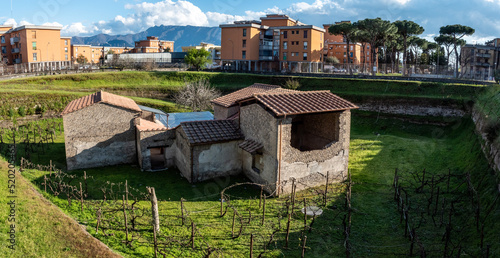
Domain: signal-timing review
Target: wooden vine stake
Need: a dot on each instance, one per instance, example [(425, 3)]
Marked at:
[(251, 245), (81, 196), (192, 235), (154, 209), (264, 210), (125, 217), (304, 247)]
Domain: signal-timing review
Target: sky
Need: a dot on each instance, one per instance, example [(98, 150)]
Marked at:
[(91, 17)]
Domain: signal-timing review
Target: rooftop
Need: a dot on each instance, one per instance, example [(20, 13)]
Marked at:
[(172, 120), (148, 126), (232, 98), (212, 131), (302, 102), (100, 97), (250, 146)]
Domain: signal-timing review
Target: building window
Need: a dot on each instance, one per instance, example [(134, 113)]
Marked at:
[(65, 57), (3, 39), (285, 34), (33, 34), (305, 44), (297, 32), (285, 45), (305, 34), (35, 57), (243, 54), (33, 44), (65, 50), (284, 56), (244, 32), (293, 32), (66, 42), (351, 48), (76, 49), (305, 56), (257, 163), (306, 137), (244, 43), (4, 50)]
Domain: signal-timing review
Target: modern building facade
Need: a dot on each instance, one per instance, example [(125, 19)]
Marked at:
[(275, 43), (480, 61), (153, 45), (215, 51), (35, 46), (94, 54)]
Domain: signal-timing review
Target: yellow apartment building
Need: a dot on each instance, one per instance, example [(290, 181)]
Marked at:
[(275, 43), (153, 45), (35, 47), (94, 54), (214, 50)]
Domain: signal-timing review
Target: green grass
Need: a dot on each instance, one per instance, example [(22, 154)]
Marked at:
[(378, 147)]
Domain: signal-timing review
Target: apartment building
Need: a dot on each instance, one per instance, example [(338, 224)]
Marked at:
[(480, 61), (274, 43), (153, 45), (215, 51), (335, 46), (94, 54), (35, 47)]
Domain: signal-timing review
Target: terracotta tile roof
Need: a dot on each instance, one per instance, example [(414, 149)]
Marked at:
[(250, 146), (100, 97), (148, 126), (232, 98), (303, 102), (202, 132)]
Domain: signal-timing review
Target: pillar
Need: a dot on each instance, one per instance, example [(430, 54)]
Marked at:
[(249, 66)]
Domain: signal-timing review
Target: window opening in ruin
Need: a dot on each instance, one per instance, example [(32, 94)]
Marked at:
[(314, 132), (257, 162), (157, 158)]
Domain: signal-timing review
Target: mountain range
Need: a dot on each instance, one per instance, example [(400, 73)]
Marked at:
[(182, 35)]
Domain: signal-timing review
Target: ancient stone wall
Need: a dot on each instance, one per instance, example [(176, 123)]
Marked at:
[(183, 154), (221, 113), (99, 135), (216, 160), (490, 149), (156, 139)]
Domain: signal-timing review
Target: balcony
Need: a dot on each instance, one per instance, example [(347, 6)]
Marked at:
[(485, 55), (266, 58), (14, 40), (266, 47), (17, 61), (15, 50)]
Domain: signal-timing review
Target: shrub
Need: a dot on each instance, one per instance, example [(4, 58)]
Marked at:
[(492, 130), (291, 84), (11, 112), (22, 111)]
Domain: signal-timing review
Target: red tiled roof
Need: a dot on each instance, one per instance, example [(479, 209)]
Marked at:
[(303, 102), (232, 98), (250, 146), (211, 131), (100, 97), (148, 126)]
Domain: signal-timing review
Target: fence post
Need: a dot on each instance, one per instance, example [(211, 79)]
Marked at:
[(192, 234), (264, 210), (154, 208), (182, 210), (251, 245), (125, 216), (81, 196), (304, 247)]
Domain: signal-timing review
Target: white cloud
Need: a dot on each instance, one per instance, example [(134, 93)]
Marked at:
[(13, 23), (76, 28), (55, 24)]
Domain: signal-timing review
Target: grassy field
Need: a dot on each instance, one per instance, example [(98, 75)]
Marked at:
[(378, 147)]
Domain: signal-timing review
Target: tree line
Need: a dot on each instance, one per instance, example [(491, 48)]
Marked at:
[(393, 39)]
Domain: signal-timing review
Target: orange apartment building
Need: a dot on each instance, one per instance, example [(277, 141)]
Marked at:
[(153, 45), (336, 46), (35, 47), (94, 54), (275, 43)]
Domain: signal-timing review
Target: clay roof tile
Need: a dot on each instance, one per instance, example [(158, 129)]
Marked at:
[(100, 97)]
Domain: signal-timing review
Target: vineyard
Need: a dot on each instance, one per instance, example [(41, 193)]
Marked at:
[(413, 190)]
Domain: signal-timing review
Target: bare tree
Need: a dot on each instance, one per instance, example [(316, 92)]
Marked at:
[(196, 95)]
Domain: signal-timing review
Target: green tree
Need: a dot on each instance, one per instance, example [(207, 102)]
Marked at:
[(332, 60), (407, 29), (377, 32), (168, 49), (81, 59), (348, 31), (456, 32), (197, 58)]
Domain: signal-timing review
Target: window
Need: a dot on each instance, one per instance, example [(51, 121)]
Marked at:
[(305, 44), (297, 32), (33, 44), (257, 163), (33, 34), (305, 56), (285, 34), (76, 49), (34, 57), (65, 57), (3, 39), (285, 45), (314, 132), (244, 43), (367, 47), (305, 34), (243, 54), (293, 32), (4, 50), (351, 48), (293, 43), (244, 32), (66, 42), (65, 50), (284, 56), (351, 54)]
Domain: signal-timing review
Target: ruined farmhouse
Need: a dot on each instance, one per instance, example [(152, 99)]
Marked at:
[(272, 135)]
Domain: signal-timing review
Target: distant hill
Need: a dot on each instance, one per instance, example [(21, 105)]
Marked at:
[(182, 35)]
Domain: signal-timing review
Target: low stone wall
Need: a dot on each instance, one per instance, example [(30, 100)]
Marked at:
[(491, 150)]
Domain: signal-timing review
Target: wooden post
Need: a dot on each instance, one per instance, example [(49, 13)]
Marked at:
[(251, 245), (45, 182), (155, 243), (260, 200), (232, 227), (125, 216), (126, 191), (154, 208), (305, 215), (98, 221), (264, 211), (304, 247), (192, 234), (326, 188), (182, 210), (50, 166), (81, 196), (85, 181), (221, 203), (287, 230)]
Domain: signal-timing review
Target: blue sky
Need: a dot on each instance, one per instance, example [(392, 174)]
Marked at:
[(92, 17)]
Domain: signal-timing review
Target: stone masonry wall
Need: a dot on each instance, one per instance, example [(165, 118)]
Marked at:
[(216, 160), (99, 135), (490, 149), (221, 112), (156, 139), (183, 154)]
